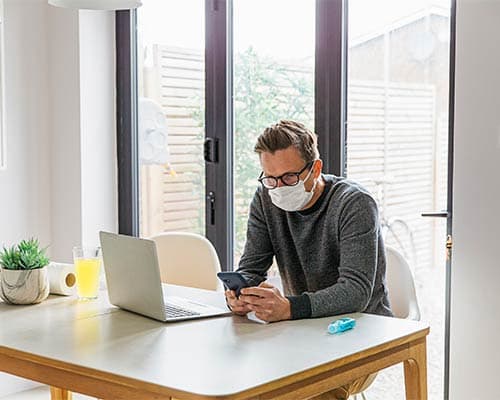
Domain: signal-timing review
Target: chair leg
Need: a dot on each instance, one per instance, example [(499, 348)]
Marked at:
[(362, 394), (60, 394)]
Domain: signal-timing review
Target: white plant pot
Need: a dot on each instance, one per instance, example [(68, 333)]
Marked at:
[(24, 286)]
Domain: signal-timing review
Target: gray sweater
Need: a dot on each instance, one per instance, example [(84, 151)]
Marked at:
[(330, 257)]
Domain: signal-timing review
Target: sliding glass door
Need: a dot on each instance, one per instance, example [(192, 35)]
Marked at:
[(397, 146), (198, 81), (202, 78)]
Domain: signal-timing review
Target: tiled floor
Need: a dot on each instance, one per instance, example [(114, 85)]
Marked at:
[(40, 393)]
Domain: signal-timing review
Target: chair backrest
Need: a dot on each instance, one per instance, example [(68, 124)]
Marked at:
[(187, 259), (401, 286)]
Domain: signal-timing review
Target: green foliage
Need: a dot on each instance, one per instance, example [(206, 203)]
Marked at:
[(26, 255), (265, 92)]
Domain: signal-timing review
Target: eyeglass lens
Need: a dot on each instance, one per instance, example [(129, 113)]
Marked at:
[(287, 179), (290, 179)]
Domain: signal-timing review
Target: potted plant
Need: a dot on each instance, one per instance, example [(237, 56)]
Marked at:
[(24, 277)]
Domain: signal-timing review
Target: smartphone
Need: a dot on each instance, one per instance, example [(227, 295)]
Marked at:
[(233, 281)]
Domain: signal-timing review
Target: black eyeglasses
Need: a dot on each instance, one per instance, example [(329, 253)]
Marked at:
[(288, 179)]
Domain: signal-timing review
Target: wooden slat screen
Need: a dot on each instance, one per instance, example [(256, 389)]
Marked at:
[(175, 200), (392, 136)]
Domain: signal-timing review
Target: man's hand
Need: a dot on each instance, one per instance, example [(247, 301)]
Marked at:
[(236, 305), (267, 302)]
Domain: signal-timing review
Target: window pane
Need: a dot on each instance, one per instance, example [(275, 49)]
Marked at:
[(171, 115), (273, 79), (397, 146)]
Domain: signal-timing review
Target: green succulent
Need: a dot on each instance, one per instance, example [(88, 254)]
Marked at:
[(26, 255)]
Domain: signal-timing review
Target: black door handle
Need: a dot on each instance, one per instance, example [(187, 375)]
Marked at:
[(210, 207), (211, 150), (435, 214)]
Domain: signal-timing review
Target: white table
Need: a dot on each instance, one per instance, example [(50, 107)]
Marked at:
[(102, 351)]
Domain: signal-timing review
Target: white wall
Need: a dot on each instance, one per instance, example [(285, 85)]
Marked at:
[(25, 193), (98, 138), (475, 270), (82, 86), (63, 49), (60, 181)]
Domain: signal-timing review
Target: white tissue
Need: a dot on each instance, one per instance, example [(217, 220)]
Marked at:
[(62, 278), (252, 317)]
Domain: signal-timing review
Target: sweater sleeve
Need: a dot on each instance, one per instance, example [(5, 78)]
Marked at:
[(358, 231), (258, 254)]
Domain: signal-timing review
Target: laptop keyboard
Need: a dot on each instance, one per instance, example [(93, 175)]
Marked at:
[(172, 311)]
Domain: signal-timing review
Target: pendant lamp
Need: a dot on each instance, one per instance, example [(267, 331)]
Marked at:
[(97, 4)]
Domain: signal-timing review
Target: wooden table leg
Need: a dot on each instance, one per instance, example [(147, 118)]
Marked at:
[(416, 371), (60, 394)]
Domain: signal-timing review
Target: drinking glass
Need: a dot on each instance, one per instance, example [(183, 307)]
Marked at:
[(87, 262)]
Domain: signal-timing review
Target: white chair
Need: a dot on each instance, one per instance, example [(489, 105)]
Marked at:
[(400, 288), (187, 259)]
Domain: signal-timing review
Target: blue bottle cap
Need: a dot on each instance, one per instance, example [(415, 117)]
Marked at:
[(341, 325)]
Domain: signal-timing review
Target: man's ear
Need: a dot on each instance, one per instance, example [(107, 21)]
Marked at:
[(318, 166)]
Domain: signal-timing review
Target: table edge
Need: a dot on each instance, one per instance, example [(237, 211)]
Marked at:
[(155, 388)]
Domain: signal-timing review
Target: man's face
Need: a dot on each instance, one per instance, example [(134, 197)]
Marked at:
[(283, 161)]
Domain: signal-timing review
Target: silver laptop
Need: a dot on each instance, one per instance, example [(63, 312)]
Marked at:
[(134, 283)]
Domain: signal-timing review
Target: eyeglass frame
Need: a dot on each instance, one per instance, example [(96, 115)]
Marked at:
[(280, 178)]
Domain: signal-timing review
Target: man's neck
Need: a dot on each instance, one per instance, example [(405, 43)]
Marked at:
[(318, 190)]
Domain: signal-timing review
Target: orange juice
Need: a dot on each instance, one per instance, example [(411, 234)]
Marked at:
[(87, 277)]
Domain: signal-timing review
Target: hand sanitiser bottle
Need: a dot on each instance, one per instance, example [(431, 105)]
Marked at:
[(341, 325)]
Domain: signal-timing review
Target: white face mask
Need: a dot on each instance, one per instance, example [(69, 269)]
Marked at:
[(292, 198)]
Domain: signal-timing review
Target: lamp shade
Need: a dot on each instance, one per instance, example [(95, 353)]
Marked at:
[(97, 4)]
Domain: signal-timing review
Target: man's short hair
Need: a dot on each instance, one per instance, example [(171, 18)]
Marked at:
[(288, 133)]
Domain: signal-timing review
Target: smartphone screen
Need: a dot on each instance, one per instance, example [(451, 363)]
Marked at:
[(233, 281)]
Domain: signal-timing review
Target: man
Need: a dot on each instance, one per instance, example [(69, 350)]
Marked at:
[(323, 231)]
